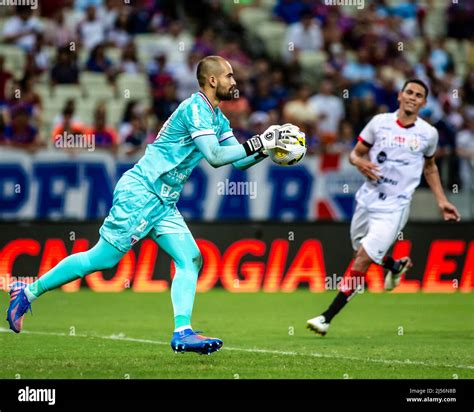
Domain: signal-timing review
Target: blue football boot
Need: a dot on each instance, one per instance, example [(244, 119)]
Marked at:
[(19, 305), (189, 341)]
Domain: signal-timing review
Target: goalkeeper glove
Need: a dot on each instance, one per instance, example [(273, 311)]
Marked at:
[(275, 136)]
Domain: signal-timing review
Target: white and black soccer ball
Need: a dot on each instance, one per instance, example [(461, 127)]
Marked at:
[(293, 153)]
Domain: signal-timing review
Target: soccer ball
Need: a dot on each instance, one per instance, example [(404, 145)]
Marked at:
[(293, 154)]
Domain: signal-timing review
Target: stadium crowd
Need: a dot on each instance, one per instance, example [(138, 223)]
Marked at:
[(366, 56)]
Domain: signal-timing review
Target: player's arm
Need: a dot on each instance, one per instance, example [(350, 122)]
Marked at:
[(246, 162), (218, 155), (359, 158), (431, 173)]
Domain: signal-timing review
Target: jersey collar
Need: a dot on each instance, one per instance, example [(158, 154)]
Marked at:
[(204, 97), (408, 126)]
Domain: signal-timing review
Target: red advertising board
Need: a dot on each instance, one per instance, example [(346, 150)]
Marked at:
[(246, 257)]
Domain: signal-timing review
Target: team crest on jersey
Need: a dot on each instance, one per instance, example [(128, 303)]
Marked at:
[(415, 143)]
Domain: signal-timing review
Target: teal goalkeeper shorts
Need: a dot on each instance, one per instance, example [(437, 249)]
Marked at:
[(136, 213)]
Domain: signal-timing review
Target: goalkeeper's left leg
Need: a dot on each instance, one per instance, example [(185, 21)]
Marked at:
[(102, 256)]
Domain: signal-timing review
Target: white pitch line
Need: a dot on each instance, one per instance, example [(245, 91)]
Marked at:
[(122, 337)]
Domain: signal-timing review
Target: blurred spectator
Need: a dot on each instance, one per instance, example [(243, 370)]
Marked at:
[(258, 122), (58, 33), (103, 136), (66, 126), (332, 30), (65, 70), (465, 151), (237, 111), (346, 138), (30, 100), (206, 42), (20, 132), (232, 51), (139, 19), (302, 36), (22, 28), (109, 12), (289, 10), (98, 62), (83, 5), (118, 36), (360, 74), (135, 136), (5, 78), (279, 91), (70, 108), (299, 110), (133, 110), (329, 107), (386, 91), (262, 99), (445, 153), (167, 104), (38, 61), (158, 75), (178, 43), (91, 29), (184, 75), (130, 62), (239, 105), (468, 89), (439, 58)]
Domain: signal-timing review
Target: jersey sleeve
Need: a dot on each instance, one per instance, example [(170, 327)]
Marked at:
[(367, 135), (433, 143), (226, 130), (198, 121)]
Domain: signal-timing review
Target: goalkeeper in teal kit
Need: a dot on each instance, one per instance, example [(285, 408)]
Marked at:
[(144, 201)]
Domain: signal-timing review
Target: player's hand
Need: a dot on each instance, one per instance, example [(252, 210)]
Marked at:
[(368, 169), (277, 136), (449, 211)]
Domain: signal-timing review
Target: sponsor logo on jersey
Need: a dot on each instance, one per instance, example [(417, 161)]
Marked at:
[(415, 143), (381, 157), (196, 119), (134, 239), (387, 180)]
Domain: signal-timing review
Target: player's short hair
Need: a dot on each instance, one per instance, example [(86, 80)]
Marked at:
[(207, 66), (417, 81)]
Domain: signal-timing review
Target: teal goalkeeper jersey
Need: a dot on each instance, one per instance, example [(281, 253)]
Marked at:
[(169, 160)]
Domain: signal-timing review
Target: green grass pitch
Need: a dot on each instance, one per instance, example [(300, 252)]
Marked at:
[(126, 335)]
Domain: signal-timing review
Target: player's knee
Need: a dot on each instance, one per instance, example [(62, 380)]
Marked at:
[(197, 261), (361, 257)]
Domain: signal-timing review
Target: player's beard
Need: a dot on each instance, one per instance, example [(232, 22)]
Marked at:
[(222, 94)]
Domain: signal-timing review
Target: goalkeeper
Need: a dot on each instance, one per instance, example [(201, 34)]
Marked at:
[(144, 201)]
